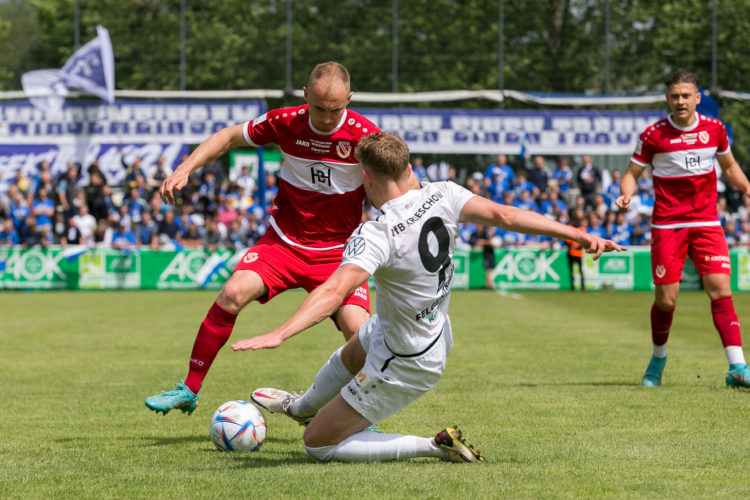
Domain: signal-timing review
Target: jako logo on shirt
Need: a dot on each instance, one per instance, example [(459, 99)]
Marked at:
[(302, 143), (343, 149)]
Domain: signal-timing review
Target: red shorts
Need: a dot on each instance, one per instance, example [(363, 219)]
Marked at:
[(284, 267), (706, 246)]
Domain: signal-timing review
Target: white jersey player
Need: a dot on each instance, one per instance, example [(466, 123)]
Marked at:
[(400, 352)]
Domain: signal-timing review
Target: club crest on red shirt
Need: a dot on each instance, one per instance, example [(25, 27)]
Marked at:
[(703, 136), (343, 149)]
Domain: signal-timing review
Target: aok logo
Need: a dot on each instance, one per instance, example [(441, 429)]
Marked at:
[(186, 266), (34, 265), (527, 266)]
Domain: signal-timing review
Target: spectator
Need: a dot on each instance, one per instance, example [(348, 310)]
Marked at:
[(193, 236), (214, 235), (169, 230), (417, 166), (123, 238), (157, 173), (246, 182), (43, 209), (147, 232), (501, 172), (68, 189), (563, 174), (85, 223), (8, 234), (588, 179), (539, 174), (486, 239)]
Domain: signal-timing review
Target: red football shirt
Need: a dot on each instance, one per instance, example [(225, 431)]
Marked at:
[(319, 201), (684, 171)]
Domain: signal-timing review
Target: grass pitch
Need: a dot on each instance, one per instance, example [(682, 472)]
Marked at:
[(545, 384)]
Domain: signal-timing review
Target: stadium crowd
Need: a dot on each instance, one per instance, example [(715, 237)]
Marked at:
[(214, 212)]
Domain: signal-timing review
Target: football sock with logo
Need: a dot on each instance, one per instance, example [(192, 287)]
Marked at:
[(728, 326), (661, 322), (367, 446), (328, 382), (212, 335)]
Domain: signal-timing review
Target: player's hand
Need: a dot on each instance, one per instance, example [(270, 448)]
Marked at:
[(267, 341), (597, 246), (174, 182), (623, 203)]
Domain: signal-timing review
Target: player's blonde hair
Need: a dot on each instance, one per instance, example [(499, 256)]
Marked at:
[(331, 71), (384, 154)]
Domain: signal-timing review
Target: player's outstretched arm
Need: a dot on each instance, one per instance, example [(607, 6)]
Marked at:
[(320, 304), (488, 213), (628, 186), (212, 148)]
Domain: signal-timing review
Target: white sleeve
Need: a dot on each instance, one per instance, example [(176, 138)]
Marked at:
[(457, 196), (368, 247)]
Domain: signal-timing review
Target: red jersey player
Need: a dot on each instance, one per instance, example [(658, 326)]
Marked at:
[(318, 205), (681, 150)]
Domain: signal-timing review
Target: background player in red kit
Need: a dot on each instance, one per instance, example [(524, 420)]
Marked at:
[(681, 150), (318, 205)]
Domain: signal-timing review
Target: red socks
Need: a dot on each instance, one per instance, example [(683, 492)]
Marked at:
[(212, 335), (661, 321), (726, 322)]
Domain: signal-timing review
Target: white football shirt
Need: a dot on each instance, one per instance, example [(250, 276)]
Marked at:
[(408, 249)]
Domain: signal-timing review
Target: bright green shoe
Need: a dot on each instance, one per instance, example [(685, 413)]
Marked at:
[(181, 398), (652, 377), (738, 376)]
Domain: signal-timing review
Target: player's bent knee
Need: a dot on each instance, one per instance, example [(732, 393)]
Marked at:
[(322, 453)]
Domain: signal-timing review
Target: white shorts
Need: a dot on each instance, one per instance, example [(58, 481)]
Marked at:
[(387, 383)]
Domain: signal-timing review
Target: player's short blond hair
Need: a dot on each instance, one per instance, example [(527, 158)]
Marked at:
[(384, 153), (331, 71)]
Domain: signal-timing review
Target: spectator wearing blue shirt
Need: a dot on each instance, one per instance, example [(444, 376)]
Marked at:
[(19, 211), (417, 166), (521, 184), (43, 209), (613, 190), (595, 225), (622, 232), (8, 234), (136, 205), (526, 202), (147, 232), (123, 238), (553, 207), (501, 172), (563, 174)]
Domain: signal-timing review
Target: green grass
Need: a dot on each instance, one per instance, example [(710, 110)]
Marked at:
[(545, 385)]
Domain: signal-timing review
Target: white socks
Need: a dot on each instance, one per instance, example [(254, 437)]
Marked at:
[(660, 351), (735, 355), (369, 446), (328, 382)]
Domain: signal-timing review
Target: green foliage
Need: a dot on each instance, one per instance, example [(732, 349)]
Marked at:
[(552, 400), (550, 46)]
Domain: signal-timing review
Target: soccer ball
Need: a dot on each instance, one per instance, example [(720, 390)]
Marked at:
[(238, 426)]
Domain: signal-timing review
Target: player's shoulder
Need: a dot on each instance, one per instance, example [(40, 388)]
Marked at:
[(287, 117), (356, 126), (709, 122)]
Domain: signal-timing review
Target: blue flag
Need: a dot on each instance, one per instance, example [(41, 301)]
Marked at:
[(92, 67)]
